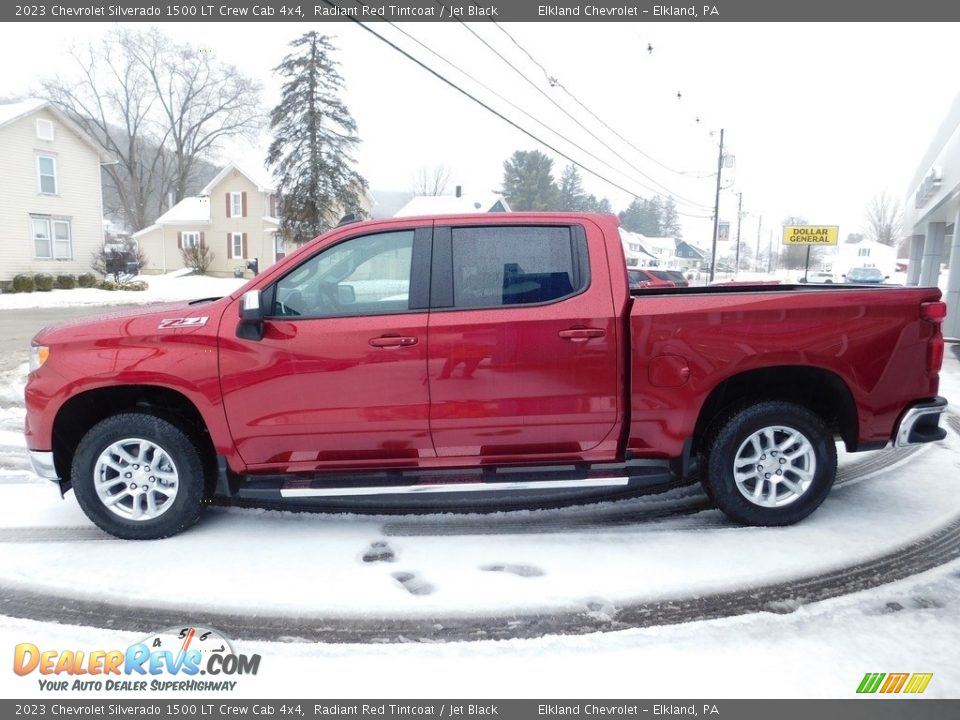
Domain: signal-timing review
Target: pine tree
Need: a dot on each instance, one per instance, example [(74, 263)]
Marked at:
[(314, 136), (571, 194), (670, 221), (528, 182)]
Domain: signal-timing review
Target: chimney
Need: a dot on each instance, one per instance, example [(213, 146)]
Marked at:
[(459, 191)]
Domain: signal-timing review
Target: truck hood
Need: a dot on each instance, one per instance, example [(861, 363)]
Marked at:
[(159, 318)]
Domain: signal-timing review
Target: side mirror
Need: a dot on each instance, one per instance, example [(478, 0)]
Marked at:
[(886, 277), (251, 316), (346, 295)]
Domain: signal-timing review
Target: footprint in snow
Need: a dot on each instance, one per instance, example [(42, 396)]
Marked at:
[(413, 583), (379, 551), (518, 570)]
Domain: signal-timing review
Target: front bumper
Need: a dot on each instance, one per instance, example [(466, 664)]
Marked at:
[(43, 465), (921, 423)]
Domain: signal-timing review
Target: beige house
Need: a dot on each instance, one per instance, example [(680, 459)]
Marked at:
[(51, 206), (235, 216)]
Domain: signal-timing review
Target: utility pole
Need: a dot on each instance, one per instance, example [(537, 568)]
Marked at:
[(736, 267), (716, 209), (759, 229)]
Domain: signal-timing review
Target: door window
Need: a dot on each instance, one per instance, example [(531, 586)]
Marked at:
[(368, 275), (497, 266)]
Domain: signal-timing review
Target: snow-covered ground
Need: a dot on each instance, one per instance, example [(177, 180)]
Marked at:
[(177, 285), (313, 566)]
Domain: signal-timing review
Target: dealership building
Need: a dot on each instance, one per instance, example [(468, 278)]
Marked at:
[(931, 217)]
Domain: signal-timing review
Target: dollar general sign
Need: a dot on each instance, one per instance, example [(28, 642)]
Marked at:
[(810, 234)]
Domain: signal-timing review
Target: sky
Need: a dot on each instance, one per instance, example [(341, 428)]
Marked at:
[(818, 117)]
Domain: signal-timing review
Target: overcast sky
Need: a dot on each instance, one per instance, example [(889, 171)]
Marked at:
[(820, 117)]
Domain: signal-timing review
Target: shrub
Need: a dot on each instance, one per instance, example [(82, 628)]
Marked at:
[(197, 258), (66, 282), (87, 280), (136, 285), (107, 285), (43, 282), (23, 283)]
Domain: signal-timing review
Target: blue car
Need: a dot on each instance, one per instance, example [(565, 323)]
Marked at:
[(865, 275)]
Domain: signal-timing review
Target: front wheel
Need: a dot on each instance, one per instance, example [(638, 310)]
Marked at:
[(138, 477), (771, 463)]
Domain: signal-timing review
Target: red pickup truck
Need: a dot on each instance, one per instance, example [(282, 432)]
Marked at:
[(448, 360)]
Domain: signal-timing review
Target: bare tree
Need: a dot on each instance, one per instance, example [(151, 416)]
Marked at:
[(202, 100), (884, 219), (109, 99), (157, 108), (431, 181)]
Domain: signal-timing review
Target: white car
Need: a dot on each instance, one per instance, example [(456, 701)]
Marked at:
[(820, 277)]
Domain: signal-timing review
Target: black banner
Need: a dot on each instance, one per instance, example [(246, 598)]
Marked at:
[(212, 709), (457, 10)]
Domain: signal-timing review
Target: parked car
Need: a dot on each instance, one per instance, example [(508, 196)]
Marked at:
[(865, 275), (640, 279), (450, 359), (825, 278), (674, 276)]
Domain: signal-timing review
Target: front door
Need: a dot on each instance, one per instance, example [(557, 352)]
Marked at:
[(339, 377)]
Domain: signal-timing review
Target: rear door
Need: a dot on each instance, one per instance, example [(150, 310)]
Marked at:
[(339, 377), (522, 342)]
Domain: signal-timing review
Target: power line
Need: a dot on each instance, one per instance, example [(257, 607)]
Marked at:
[(554, 82), (492, 110), (527, 114), (685, 201)]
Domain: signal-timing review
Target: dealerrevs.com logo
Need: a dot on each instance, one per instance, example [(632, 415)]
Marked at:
[(172, 659)]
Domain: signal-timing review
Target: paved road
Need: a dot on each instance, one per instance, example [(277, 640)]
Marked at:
[(17, 327)]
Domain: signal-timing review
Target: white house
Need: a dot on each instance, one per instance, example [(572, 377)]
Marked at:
[(866, 253), (456, 204), (235, 216), (51, 205)]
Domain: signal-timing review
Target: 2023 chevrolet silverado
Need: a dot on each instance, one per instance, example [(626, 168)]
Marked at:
[(449, 360)]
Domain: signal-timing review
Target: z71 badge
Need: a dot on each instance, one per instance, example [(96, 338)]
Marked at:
[(183, 322)]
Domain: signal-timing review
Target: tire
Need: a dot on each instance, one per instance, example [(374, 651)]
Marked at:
[(796, 463), (130, 499)]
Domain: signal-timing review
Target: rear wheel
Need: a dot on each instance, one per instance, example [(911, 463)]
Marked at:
[(138, 477), (771, 463)]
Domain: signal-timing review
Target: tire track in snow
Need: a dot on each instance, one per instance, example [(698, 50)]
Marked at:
[(937, 548)]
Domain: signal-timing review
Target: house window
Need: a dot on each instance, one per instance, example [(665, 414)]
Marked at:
[(236, 245), (279, 246), (47, 174), (52, 239), (863, 252), (190, 240), (44, 129), (236, 204)]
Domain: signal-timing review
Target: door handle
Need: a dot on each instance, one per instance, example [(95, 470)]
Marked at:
[(581, 334), (389, 341)]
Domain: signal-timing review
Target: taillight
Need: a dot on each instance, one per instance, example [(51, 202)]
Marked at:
[(934, 312)]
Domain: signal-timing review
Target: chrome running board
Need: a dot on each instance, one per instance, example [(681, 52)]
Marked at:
[(457, 487)]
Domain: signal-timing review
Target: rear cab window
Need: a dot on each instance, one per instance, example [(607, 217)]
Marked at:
[(508, 265)]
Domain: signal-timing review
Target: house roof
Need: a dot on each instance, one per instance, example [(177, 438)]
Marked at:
[(11, 112), (452, 205), (387, 203), (259, 179)]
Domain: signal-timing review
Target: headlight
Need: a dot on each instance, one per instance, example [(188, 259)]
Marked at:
[(38, 356)]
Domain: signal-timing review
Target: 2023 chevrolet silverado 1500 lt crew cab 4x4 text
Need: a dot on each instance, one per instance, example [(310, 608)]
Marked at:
[(454, 361)]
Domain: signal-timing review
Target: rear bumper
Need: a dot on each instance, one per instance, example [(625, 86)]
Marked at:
[(921, 423)]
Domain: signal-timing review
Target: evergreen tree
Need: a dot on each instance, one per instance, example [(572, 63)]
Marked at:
[(670, 221), (314, 136), (572, 196), (528, 182)]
